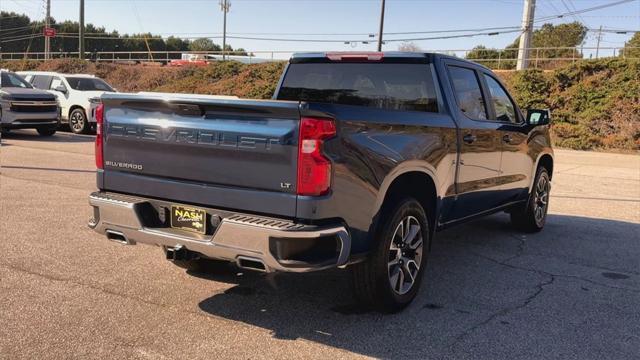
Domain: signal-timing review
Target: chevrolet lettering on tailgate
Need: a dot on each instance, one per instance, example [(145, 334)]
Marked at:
[(192, 136)]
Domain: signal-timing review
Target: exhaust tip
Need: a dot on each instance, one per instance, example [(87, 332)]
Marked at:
[(118, 237), (251, 264)]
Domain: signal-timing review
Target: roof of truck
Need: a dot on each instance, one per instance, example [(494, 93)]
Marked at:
[(364, 56)]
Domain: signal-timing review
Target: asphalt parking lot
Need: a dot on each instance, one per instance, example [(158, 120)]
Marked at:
[(570, 292)]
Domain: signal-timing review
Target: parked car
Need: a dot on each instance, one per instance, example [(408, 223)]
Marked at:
[(357, 161), (74, 92), (23, 107)]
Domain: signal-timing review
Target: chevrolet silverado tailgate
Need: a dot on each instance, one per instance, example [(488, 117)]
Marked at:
[(237, 154)]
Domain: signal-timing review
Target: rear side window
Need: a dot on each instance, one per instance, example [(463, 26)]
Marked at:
[(41, 81), (407, 87), (505, 110), (468, 93), (88, 84)]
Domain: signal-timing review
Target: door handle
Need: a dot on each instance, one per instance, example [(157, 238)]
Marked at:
[(469, 138), (507, 138)]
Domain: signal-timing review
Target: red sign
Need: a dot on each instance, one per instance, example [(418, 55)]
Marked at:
[(49, 32)]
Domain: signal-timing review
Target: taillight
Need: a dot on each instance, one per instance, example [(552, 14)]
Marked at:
[(314, 169), (99, 136)]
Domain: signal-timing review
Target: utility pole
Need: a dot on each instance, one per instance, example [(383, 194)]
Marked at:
[(527, 34), (81, 32), (224, 6), (381, 27), (598, 41), (47, 40)]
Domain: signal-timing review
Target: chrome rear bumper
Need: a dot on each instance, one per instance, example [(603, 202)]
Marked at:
[(238, 237)]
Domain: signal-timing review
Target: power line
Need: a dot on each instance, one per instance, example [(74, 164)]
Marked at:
[(594, 8), (26, 37), (306, 40)]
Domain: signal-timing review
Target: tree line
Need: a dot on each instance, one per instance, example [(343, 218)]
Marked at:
[(18, 33), (562, 41)]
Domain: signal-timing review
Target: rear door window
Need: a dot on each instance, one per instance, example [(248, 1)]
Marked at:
[(88, 84), (408, 87), (468, 93), (41, 81)]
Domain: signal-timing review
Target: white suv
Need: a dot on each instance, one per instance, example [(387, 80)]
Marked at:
[(75, 94)]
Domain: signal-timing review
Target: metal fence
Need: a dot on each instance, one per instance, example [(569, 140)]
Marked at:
[(547, 57)]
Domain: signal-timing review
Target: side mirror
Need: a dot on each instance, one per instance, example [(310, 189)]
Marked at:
[(538, 117), (61, 88)]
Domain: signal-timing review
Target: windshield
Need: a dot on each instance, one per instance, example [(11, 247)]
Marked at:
[(9, 79), (88, 84)]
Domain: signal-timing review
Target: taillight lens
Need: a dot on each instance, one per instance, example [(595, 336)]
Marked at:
[(314, 169), (99, 136)]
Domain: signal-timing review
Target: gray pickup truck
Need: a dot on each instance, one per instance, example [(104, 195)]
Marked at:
[(356, 162), (23, 107)]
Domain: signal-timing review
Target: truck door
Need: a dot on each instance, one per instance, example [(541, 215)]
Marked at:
[(516, 164), (478, 177)]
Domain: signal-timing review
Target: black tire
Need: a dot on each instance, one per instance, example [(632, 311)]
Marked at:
[(46, 131), (373, 278), (532, 216), (78, 123)]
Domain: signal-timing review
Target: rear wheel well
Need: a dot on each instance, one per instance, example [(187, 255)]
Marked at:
[(417, 185), (547, 162)]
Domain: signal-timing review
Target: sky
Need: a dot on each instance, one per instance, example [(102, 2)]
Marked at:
[(353, 19)]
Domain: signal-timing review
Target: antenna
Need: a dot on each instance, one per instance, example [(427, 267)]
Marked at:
[(224, 7)]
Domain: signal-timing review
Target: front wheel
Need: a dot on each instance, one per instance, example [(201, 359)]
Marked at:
[(533, 215), (46, 131), (390, 277)]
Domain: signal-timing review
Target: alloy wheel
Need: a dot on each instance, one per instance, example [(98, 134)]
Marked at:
[(405, 255), (77, 121), (541, 199)]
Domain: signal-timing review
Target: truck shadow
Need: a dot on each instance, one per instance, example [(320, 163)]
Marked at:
[(466, 283)]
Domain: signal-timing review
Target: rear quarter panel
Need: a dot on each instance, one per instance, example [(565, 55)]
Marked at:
[(373, 147)]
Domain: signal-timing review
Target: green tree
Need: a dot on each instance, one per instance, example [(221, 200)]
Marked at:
[(568, 36), (177, 44), (204, 44), (632, 47), (20, 34)]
